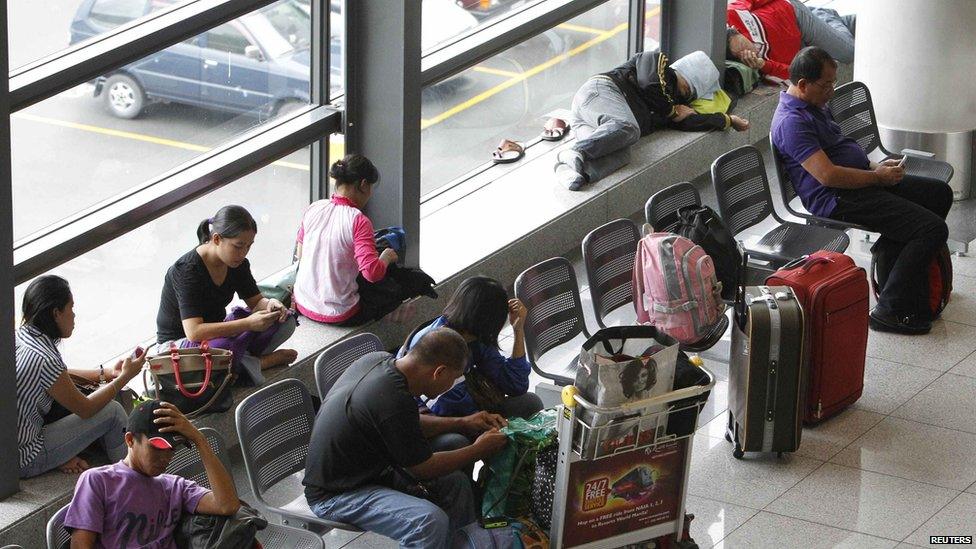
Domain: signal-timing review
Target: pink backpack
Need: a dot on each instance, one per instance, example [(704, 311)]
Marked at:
[(675, 287)]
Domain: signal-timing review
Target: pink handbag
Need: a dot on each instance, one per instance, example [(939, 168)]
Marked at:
[(676, 288)]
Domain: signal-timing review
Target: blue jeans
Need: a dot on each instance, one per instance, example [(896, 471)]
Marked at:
[(413, 522), (826, 29), (604, 127), (68, 436)]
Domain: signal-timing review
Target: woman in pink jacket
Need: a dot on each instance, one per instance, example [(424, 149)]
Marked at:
[(339, 266)]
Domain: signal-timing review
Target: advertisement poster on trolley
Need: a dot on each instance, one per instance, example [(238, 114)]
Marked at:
[(624, 493)]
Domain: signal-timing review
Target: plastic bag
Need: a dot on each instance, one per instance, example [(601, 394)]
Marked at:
[(507, 477)]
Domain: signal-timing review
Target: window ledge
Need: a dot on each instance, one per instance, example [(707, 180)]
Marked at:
[(524, 206)]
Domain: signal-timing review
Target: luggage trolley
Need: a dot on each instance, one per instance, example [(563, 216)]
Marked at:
[(624, 481)]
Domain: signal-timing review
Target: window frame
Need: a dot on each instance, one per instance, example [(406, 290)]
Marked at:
[(83, 231)]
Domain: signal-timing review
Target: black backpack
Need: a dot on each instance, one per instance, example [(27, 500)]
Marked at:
[(939, 277), (219, 532), (704, 227)]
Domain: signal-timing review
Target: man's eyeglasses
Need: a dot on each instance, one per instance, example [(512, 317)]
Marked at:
[(829, 86)]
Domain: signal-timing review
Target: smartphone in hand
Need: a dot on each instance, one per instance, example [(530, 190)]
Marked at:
[(901, 162)]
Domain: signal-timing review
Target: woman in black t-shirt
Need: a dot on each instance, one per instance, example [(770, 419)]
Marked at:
[(202, 283)]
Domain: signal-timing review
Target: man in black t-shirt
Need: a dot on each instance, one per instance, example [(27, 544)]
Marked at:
[(369, 445)]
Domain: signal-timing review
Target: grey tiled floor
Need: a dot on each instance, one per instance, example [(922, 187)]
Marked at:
[(895, 468)]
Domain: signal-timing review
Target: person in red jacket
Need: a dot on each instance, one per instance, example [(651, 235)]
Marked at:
[(767, 34)]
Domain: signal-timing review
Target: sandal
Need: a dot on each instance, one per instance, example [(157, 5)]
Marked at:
[(554, 130), (508, 151)]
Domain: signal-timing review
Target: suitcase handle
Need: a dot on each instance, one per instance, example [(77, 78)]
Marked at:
[(806, 263)]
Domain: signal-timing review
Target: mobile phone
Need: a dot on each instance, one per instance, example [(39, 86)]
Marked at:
[(137, 352), (902, 161)]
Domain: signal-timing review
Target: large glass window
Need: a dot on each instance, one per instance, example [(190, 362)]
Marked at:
[(38, 29), (116, 287), (444, 20), (229, 38), (90, 143), (112, 13), (511, 95), (337, 40), (652, 25)]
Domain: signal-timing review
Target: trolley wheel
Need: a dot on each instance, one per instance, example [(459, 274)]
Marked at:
[(737, 453)]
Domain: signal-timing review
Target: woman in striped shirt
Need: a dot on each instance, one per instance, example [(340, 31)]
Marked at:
[(43, 379)]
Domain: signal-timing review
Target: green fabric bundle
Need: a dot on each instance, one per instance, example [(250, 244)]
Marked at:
[(507, 477)]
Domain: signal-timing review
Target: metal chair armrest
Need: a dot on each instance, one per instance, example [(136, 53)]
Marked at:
[(918, 153), (559, 380)]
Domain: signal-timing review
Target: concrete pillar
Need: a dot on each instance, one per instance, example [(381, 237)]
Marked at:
[(383, 107), (918, 57), (692, 25)]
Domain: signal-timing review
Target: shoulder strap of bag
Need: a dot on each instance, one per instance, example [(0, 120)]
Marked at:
[(406, 345), (638, 282), (224, 386)]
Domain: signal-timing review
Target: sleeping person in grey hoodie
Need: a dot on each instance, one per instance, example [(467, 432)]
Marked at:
[(612, 110)]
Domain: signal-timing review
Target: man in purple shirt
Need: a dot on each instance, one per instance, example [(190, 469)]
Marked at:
[(132, 503), (834, 178)]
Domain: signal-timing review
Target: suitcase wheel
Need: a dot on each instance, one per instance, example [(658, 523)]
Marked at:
[(737, 453)]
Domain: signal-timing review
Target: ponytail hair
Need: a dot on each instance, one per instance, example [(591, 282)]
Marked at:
[(352, 169), (229, 222), (43, 296)]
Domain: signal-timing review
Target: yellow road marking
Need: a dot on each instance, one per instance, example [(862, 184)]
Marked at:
[(337, 147), (601, 37), (497, 72), (334, 148), (113, 133), (426, 123), (292, 165), (581, 28)]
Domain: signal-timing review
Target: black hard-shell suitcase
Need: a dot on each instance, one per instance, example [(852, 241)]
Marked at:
[(766, 371)]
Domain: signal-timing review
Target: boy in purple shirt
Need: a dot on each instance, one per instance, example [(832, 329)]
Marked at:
[(834, 178), (132, 503)]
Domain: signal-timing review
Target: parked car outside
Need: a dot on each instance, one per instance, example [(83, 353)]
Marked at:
[(257, 63), (484, 9)]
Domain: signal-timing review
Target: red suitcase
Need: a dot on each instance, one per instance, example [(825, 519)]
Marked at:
[(834, 294)]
